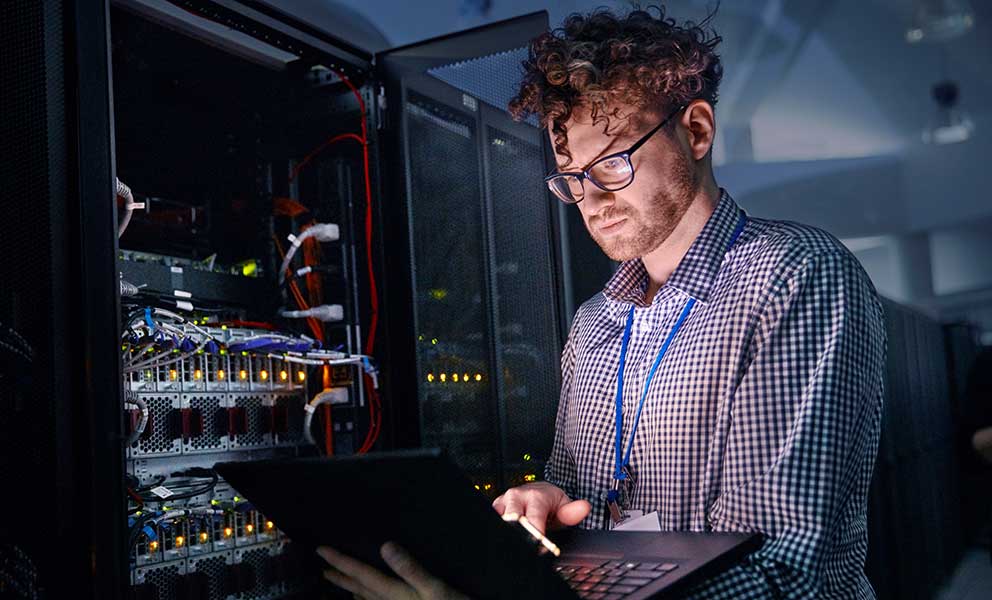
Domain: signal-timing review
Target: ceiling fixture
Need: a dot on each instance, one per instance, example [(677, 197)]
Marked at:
[(950, 124), (940, 20)]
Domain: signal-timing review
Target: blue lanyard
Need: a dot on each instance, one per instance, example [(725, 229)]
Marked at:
[(621, 463)]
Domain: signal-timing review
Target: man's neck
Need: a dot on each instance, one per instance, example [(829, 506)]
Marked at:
[(661, 262)]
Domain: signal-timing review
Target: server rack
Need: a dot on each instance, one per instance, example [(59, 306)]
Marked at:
[(500, 319)]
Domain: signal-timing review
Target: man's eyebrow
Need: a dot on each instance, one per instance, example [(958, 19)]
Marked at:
[(602, 153)]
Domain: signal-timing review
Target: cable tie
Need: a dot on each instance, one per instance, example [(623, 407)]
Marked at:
[(293, 239)]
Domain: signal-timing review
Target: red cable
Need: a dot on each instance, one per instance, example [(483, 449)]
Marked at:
[(309, 157), (375, 417)]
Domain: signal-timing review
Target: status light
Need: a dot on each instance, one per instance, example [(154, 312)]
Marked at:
[(487, 486), (173, 374), (153, 546), (478, 376), (180, 540), (249, 528), (263, 374), (527, 457), (204, 537), (283, 375), (430, 377), (530, 477), (242, 374), (198, 374), (454, 376), (465, 377), (220, 374), (269, 525), (444, 377), (228, 532), (301, 375)]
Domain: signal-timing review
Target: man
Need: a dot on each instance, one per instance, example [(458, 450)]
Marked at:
[(740, 359)]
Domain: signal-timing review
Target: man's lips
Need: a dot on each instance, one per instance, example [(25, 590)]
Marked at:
[(609, 226)]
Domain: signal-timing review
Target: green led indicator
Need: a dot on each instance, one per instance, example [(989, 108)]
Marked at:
[(527, 457), (434, 341)]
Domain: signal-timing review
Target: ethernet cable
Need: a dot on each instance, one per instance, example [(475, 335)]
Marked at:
[(137, 401), (336, 395), (124, 192), (323, 232)]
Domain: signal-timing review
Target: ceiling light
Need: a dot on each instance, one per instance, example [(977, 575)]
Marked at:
[(940, 20)]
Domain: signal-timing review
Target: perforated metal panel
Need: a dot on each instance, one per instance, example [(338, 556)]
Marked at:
[(161, 441), (213, 438), (261, 562), (450, 284), (489, 78), (525, 299), (215, 568), (254, 438), (164, 577)]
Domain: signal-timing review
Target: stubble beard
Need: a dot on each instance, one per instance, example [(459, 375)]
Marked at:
[(662, 215)]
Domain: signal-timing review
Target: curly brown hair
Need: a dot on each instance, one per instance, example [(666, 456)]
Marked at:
[(599, 60)]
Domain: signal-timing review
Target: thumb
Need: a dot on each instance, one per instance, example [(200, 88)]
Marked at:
[(573, 512)]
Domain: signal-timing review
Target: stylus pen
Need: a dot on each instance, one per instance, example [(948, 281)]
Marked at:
[(540, 537)]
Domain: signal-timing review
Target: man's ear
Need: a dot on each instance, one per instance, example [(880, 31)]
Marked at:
[(699, 123)]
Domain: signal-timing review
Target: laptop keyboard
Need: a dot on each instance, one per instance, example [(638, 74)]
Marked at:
[(609, 580)]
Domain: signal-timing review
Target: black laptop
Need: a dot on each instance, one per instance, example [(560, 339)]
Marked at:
[(422, 501)]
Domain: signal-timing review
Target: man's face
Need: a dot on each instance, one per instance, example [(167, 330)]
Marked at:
[(636, 220)]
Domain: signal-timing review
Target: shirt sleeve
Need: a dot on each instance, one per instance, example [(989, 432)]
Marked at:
[(560, 469), (805, 424)]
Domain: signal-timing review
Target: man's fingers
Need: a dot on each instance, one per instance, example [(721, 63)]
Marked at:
[(537, 514), (404, 565), (370, 581), (572, 513), (499, 506), (344, 582)]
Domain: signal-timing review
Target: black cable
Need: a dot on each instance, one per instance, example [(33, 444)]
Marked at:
[(196, 471)]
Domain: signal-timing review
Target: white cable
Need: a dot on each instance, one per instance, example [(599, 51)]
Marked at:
[(317, 362), (337, 395), (135, 400), (323, 232), (124, 192), (324, 312)]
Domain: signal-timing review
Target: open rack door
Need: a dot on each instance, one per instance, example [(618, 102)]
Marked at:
[(473, 238)]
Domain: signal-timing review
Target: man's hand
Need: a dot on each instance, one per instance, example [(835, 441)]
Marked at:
[(371, 584), (543, 504)]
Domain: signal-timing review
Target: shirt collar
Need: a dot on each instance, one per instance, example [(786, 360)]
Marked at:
[(695, 273)]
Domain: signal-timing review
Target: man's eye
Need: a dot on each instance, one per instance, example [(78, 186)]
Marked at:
[(613, 165)]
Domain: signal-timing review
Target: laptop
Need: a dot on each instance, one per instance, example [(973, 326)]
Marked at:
[(422, 501)]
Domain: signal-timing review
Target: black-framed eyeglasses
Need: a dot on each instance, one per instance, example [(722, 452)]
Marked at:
[(611, 173)]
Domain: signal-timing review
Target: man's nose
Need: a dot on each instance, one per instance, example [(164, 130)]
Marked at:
[(596, 200)]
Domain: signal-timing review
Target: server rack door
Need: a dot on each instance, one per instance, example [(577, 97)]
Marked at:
[(61, 423), (474, 243)]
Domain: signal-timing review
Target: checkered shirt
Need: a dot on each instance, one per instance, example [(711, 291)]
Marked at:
[(764, 414)]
